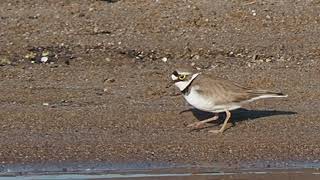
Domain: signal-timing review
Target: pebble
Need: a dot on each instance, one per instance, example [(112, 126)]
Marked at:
[(196, 57), (281, 59), (95, 29), (240, 55), (254, 12), (44, 59), (213, 67), (268, 60), (164, 59)]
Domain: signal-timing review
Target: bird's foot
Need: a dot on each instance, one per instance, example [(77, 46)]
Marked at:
[(215, 131), (196, 125)]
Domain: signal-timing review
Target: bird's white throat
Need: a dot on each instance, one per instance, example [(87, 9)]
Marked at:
[(183, 84)]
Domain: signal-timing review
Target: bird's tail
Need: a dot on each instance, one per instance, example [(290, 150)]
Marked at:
[(261, 94)]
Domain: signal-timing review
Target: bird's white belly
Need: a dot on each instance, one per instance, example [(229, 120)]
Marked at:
[(199, 101), (207, 104)]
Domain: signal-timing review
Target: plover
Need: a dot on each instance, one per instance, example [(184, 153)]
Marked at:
[(209, 93)]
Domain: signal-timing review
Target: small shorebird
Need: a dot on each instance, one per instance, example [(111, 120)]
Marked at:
[(213, 94)]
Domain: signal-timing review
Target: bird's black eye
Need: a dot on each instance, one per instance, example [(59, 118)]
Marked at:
[(182, 77)]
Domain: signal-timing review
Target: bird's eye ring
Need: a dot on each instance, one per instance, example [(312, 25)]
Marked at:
[(182, 77)]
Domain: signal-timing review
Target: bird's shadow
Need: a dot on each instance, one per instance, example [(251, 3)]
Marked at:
[(238, 115)]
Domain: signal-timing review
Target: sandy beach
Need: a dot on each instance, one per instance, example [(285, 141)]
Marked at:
[(86, 81)]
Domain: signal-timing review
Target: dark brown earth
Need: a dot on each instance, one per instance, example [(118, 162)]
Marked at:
[(103, 96)]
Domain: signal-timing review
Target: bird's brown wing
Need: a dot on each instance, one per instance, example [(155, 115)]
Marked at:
[(222, 91)]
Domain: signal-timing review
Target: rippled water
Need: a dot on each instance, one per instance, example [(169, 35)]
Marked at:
[(165, 171)]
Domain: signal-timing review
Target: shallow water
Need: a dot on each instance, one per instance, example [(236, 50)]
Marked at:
[(165, 171), (298, 174)]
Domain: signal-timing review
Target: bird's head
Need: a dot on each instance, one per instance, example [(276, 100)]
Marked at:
[(183, 78)]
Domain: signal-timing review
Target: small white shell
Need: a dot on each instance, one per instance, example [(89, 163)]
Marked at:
[(44, 59), (164, 59)]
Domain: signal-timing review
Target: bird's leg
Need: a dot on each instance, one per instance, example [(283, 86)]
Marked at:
[(199, 124), (228, 115)]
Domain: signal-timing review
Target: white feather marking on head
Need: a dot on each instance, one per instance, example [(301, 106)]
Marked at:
[(173, 77), (184, 84)]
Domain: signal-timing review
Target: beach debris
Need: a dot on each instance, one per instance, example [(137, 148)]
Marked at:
[(4, 61), (48, 55), (109, 80)]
